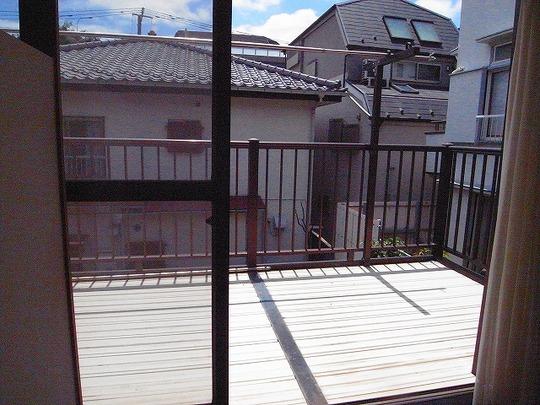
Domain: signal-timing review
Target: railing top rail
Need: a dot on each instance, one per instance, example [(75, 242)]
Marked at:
[(490, 116), (485, 150), (283, 145)]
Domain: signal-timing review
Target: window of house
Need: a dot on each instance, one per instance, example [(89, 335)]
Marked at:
[(84, 127), (498, 88), (502, 52), (431, 73), (398, 28), (84, 159), (491, 123), (426, 31), (417, 71), (405, 71), (185, 129)]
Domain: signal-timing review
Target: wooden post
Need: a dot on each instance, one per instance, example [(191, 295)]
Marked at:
[(252, 202), (442, 207)]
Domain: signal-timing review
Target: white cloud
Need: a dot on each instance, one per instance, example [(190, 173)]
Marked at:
[(448, 8), (183, 8), (9, 24), (282, 27), (258, 5)]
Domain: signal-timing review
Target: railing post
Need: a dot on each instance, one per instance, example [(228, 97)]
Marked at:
[(442, 207), (252, 202)]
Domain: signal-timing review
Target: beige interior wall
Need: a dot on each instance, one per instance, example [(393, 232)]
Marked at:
[(36, 354)]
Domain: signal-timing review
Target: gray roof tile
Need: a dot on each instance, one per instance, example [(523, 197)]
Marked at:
[(362, 20), (175, 63), (426, 105)]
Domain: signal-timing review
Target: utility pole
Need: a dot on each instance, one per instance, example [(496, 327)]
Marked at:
[(140, 20)]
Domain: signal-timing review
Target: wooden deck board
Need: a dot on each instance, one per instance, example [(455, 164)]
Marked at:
[(363, 333)]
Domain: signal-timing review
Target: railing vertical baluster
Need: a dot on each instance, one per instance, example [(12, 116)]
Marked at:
[(175, 215), (468, 216), (398, 196), (350, 253), (190, 165), (252, 203), (409, 199), (460, 199), (280, 199), (443, 192), (334, 199), (191, 232), (144, 230), (385, 202), (142, 163), (236, 188), (451, 198), (308, 201), (158, 163), (436, 175), (108, 157), (420, 208), (496, 184), (265, 198), (125, 163), (160, 227), (360, 197), (319, 231), (113, 249), (295, 170), (174, 165), (128, 233)]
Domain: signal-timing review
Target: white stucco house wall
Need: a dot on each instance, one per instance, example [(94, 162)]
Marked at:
[(476, 113), (478, 85), (136, 89)]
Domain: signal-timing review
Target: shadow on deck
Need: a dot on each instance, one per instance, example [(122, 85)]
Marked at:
[(327, 335)]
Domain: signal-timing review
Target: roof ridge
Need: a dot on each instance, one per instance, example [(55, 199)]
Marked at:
[(100, 43), (287, 72)]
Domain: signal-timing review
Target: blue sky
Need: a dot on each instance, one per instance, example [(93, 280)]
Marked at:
[(281, 20)]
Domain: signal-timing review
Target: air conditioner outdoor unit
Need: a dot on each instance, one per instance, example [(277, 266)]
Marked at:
[(348, 233), (371, 82)]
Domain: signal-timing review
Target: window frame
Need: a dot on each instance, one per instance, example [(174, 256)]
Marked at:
[(396, 38), (416, 79), (425, 41), (93, 152), (494, 50)]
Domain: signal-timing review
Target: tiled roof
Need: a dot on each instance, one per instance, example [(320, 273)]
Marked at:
[(173, 63), (363, 26), (426, 105)]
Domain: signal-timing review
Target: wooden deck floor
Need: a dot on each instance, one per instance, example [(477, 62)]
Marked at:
[(321, 336)]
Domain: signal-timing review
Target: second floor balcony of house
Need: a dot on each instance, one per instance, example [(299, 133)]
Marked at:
[(300, 215)]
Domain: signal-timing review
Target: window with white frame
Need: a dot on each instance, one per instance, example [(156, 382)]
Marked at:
[(491, 123), (84, 159), (417, 71), (502, 52)]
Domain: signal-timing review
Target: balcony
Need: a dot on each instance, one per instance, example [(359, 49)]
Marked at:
[(490, 128), (343, 286)]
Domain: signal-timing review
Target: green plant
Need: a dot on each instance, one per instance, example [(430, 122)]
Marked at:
[(389, 247)]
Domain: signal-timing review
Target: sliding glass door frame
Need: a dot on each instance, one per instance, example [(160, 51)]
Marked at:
[(39, 29)]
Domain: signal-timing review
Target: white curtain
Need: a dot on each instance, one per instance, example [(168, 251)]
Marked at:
[(507, 370)]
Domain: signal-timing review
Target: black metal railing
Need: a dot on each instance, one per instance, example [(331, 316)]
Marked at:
[(295, 203)]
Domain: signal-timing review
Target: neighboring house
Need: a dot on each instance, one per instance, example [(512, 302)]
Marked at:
[(161, 90), (271, 56), (415, 93), (479, 84), (476, 110)]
